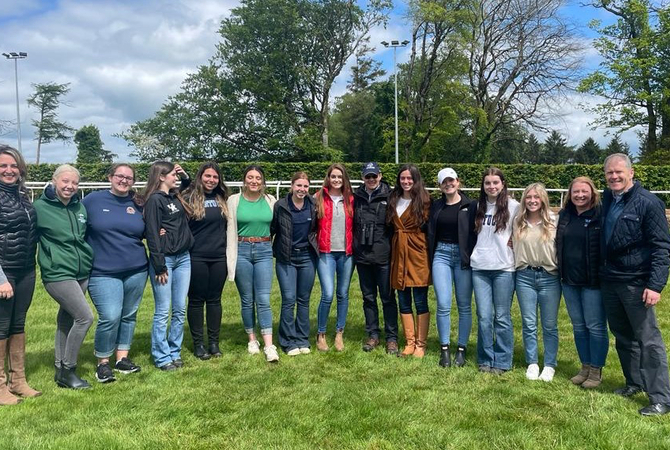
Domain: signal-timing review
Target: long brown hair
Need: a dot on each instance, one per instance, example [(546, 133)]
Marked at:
[(194, 194), (346, 191), (157, 169), (420, 205), (501, 216)]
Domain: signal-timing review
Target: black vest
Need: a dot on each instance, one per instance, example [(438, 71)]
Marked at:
[(18, 229)]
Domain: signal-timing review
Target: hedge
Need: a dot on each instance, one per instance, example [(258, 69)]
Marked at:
[(518, 175)]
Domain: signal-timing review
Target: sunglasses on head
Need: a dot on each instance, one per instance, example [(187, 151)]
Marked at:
[(371, 176)]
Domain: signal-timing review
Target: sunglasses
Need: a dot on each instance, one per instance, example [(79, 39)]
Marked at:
[(371, 176)]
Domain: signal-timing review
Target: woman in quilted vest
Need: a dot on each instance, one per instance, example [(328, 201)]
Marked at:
[(18, 239), (335, 213)]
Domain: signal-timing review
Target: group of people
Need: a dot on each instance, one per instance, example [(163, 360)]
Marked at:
[(609, 259)]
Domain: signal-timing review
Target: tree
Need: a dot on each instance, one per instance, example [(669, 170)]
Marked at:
[(589, 153), (89, 146), (533, 150), (634, 76), (46, 99), (616, 145), (556, 150), (522, 58)]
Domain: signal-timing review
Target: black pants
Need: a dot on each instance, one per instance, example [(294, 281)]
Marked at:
[(639, 342), (207, 281), (373, 278), (13, 310)]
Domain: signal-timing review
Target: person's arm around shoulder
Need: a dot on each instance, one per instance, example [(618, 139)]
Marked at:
[(655, 230), (231, 235)]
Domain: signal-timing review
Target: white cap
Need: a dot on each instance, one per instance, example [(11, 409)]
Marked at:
[(446, 173)]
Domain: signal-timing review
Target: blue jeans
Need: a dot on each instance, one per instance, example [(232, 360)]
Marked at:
[(589, 323), (420, 300), (166, 347), (330, 264), (539, 288), (447, 271), (253, 278), (295, 282), (117, 300), (495, 336)]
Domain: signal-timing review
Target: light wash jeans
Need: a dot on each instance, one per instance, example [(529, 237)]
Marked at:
[(447, 272), (117, 300), (538, 288), (330, 264), (253, 278), (494, 290), (166, 347), (589, 323)]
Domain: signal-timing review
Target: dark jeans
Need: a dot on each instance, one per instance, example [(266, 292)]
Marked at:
[(373, 278), (13, 310), (295, 283), (639, 342), (420, 300), (207, 281)]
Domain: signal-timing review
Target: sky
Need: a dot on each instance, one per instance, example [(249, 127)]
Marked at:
[(123, 58)]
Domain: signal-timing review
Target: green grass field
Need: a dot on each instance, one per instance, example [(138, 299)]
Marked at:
[(321, 401)]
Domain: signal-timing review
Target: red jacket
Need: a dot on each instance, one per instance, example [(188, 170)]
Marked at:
[(324, 225)]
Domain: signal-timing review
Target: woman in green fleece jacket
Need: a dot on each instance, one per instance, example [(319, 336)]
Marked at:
[(65, 261)]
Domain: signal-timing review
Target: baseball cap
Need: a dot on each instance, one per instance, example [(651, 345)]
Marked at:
[(371, 167), (446, 173)]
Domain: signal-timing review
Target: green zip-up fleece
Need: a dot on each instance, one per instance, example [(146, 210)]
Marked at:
[(63, 252)]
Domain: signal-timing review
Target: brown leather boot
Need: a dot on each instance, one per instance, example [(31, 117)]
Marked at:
[(17, 373), (594, 379), (582, 375), (6, 397), (339, 341), (321, 344), (408, 327), (423, 322)]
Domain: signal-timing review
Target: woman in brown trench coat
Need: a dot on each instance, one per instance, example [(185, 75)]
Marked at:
[(407, 211)]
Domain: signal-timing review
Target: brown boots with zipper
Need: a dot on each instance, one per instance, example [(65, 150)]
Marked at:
[(588, 377), (416, 342)]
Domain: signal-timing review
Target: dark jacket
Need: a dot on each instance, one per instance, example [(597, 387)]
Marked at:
[(638, 251), (18, 229), (591, 252), (281, 228), (165, 211), (372, 235), (64, 254), (466, 235)]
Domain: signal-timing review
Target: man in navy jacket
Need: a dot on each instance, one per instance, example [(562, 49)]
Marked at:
[(636, 249)]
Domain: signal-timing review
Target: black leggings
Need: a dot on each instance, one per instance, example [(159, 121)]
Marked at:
[(13, 310), (207, 281)]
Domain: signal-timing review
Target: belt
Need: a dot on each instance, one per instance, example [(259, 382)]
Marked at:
[(253, 239), (536, 268)]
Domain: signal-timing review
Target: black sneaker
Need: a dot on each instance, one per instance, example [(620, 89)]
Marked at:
[(169, 367), (104, 373), (125, 365), (178, 363)]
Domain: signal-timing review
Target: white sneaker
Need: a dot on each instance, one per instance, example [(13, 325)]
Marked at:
[(305, 350), (533, 372), (271, 354), (254, 347), (293, 352), (547, 374)]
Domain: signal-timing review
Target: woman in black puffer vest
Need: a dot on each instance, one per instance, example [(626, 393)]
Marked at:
[(18, 241)]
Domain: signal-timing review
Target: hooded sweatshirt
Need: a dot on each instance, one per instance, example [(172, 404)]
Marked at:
[(63, 252)]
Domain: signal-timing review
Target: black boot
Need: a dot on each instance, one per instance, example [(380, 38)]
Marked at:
[(58, 368), (214, 349), (200, 352), (68, 379), (459, 360), (445, 356)]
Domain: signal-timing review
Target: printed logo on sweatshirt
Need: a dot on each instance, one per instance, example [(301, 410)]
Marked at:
[(211, 204), (105, 210), (130, 210), (81, 218), (488, 221), (173, 209)]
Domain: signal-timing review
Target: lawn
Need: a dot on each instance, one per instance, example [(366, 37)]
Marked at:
[(322, 401)]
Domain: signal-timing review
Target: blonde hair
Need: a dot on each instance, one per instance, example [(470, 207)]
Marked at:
[(64, 168), (546, 222)]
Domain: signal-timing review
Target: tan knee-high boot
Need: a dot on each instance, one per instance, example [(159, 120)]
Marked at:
[(6, 397), (423, 322), (17, 371), (408, 328)]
